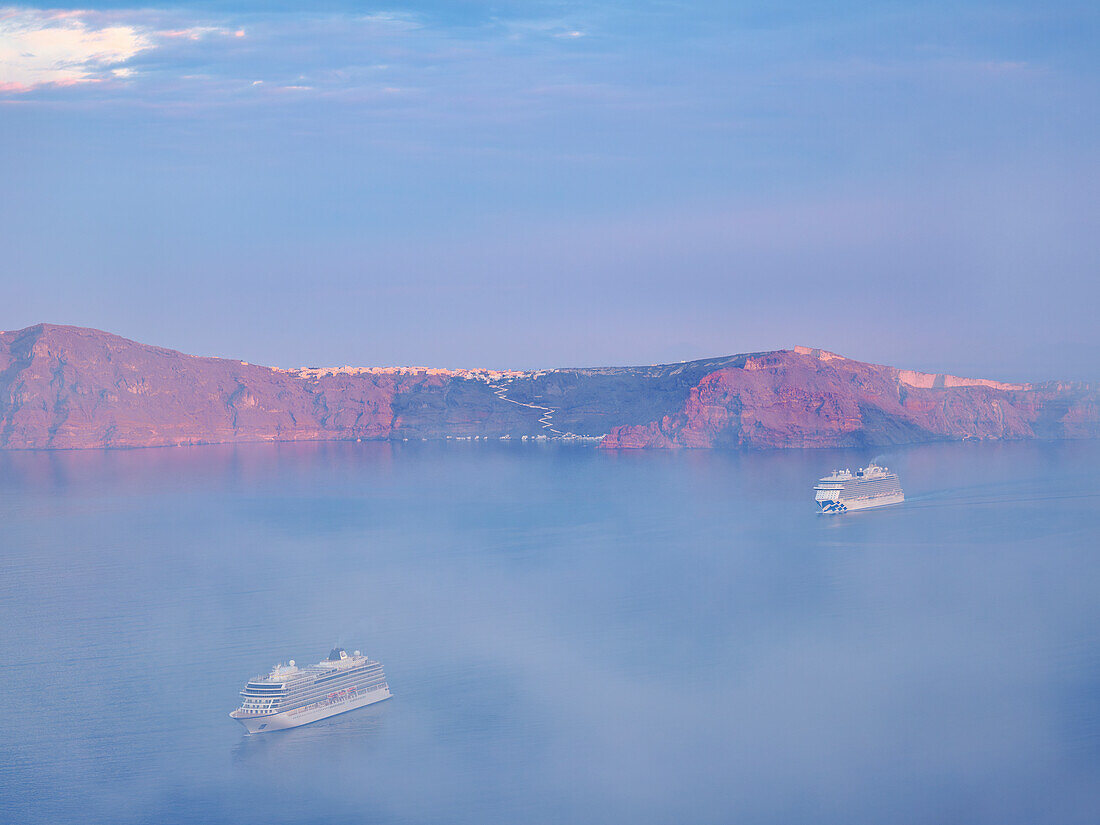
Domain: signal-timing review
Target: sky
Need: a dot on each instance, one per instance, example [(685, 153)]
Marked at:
[(538, 184)]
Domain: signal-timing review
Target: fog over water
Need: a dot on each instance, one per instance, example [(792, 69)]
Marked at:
[(569, 634)]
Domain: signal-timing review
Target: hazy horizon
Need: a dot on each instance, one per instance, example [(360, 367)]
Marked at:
[(559, 184), (1018, 376)]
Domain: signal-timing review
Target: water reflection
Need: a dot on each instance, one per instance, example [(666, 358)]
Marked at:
[(348, 733)]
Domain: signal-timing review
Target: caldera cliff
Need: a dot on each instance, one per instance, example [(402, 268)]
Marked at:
[(69, 387)]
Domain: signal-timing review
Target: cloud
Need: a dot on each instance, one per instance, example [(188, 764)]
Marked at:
[(162, 53), (63, 48), (496, 67), (58, 48), (198, 32)]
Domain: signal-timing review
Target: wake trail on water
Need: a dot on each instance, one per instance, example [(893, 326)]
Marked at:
[(942, 500)]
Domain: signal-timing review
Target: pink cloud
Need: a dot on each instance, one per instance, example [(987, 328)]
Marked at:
[(39, 48)]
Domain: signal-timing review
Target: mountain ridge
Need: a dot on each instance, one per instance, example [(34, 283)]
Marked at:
[(67, 387)]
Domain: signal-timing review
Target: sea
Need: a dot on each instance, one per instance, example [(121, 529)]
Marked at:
[(571, 635)]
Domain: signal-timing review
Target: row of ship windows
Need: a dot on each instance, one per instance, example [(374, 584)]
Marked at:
[(357, 671), (281, 685), (330, 677), (294, 701), (296, 704), (327, 689), (851, 488), (309, 695), (251, 690), (318, 690), (330, 680), (834, 495)]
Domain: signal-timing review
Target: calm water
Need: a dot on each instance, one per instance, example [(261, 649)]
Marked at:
[(571, 636)]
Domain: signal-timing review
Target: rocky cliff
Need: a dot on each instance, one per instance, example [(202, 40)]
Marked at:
[(69, 387), (812, 398)]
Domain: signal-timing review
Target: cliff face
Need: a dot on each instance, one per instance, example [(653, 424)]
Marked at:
[(68, 387), (812, 398)]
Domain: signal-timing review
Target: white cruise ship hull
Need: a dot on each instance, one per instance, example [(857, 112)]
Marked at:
[(850, 504), (265, 722)]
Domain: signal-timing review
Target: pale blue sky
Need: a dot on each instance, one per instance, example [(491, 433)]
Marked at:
[(544, 184)]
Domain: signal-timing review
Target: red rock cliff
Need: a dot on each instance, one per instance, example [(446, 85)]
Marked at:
[(69, 387), (812, 398)]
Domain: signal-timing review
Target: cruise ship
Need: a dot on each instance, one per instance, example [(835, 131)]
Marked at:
[(290, 696), (872, 486)]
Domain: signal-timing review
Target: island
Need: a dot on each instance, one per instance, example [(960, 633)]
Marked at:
[(65, 387)]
